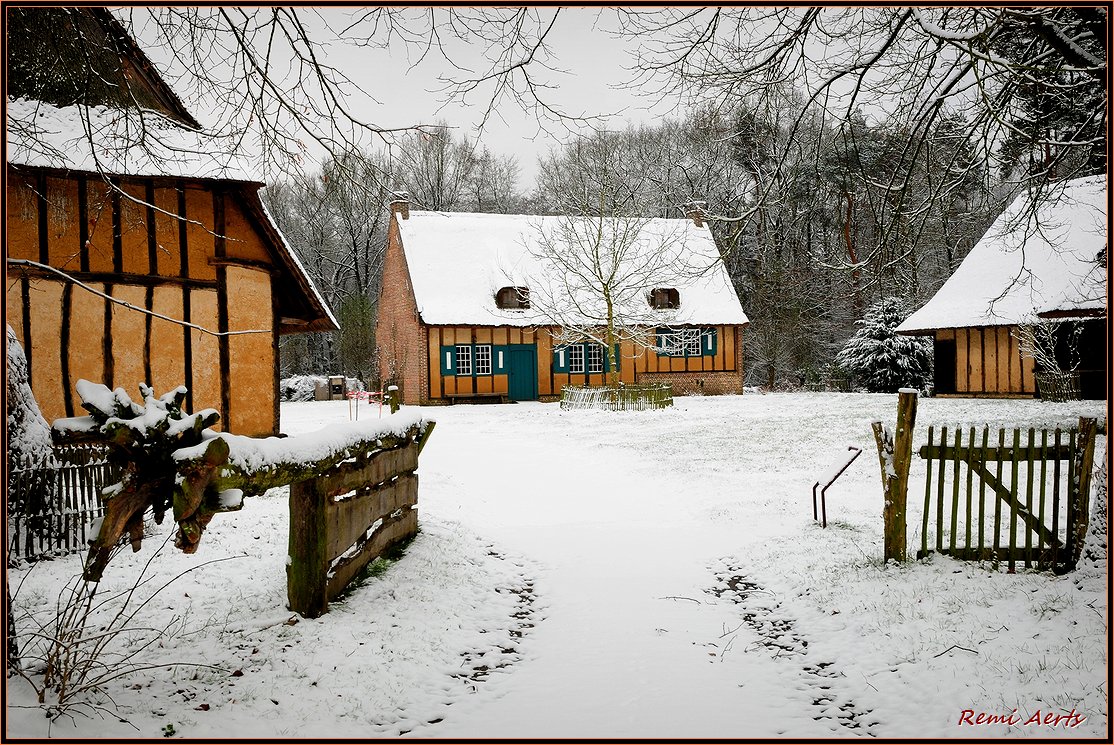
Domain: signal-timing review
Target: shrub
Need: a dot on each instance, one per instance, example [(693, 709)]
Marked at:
[(879, 359)]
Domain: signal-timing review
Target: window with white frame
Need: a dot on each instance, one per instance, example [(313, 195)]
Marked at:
[(681, 343), (464, 359), (595, 358), (483, 359), (576, 358)]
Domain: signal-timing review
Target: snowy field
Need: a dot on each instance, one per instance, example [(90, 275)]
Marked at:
[(589, 574)]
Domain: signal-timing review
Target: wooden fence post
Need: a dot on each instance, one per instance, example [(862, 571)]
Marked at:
[(308, 560), (1079, 490), (895, 453)]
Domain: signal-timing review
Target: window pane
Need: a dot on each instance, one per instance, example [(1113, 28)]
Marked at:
[(463, 359), (691, 341), (595, 358), (576, 358), (483, 359)]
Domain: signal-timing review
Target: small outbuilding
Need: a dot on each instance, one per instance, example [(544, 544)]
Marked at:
[(1039, 262)]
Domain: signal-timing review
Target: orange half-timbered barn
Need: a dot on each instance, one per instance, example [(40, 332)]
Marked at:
[(138, 258), (456, 319), (1036, 263)]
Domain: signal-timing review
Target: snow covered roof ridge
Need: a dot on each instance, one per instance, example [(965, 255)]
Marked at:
[(458, 262), (1035, 260)]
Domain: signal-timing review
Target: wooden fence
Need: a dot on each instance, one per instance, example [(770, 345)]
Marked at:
[(51, 510), (347, 516), (1022, 496), (620, 398)]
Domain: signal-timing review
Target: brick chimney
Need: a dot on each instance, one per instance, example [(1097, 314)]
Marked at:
[(696, 211), (400, 204)]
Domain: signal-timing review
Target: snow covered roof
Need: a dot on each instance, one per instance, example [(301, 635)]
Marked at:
[(1023, 268), (459, 261), (122, 142)]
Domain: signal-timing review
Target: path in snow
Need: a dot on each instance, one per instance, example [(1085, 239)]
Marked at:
[(631, 646)]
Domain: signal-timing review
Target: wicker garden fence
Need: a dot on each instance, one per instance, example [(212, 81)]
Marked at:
[(618, 398), (51, 509)]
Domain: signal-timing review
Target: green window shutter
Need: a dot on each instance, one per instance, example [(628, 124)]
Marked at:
[(560, 359), (448, 360), (709, 342), (499, 354), (659, 342)]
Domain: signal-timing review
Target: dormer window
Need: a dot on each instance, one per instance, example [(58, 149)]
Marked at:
[(513, 298), (665, 298)]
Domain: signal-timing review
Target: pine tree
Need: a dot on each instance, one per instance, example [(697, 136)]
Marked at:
[(879, 359)]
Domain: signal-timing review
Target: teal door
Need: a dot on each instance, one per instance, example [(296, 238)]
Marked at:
[(522, 373)]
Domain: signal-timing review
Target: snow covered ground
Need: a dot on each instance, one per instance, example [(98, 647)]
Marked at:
[(590, 574)]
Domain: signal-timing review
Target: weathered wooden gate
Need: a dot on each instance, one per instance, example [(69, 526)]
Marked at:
[(1038, 485)]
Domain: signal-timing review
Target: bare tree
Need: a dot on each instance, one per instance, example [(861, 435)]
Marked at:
[(594, 271)]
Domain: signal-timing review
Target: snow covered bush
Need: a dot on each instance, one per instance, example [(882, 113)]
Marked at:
[(882, 361), (301, 387)]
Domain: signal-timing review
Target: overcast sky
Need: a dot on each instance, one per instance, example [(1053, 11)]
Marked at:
[(594, 62)]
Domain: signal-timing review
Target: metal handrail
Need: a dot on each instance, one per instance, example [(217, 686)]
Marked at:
[(823, 491)]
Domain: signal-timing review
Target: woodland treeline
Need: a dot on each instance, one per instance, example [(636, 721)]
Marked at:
[(816, 218)]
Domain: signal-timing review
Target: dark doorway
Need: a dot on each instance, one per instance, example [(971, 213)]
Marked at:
[(1082, 345), (943, 366)]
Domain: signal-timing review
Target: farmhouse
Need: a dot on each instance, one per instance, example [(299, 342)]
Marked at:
[(459, 316), (113, 191), (1032, 266)]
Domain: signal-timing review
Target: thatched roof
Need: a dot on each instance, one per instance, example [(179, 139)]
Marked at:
[(67, 56)]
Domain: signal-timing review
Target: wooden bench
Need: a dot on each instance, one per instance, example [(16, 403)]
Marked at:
[(477, 398)]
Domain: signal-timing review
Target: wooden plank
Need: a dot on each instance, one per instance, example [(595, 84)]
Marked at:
[(529, 336), (982, 488), (134, 242), (1013, 499), (369, 471), (1056, 487), (1005, 360), (945, 334), (482, 335), (962, 364), (970, 475), (1007, 453), (499, 335), (514, 335), (975, 350), (1043, 489), (389, 533), (927, 498), (940, 496), (725, 351), (348, 521), (308, 561), (46, 329), (501, 383), (990, 360), (998, 502), (1029, 500), (955, 489), (484, 384), (1014, 360)]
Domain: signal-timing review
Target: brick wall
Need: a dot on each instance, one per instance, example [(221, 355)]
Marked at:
[(399, 335)]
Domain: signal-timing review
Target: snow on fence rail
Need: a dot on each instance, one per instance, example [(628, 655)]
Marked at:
[(51, 509), (620, 398)]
